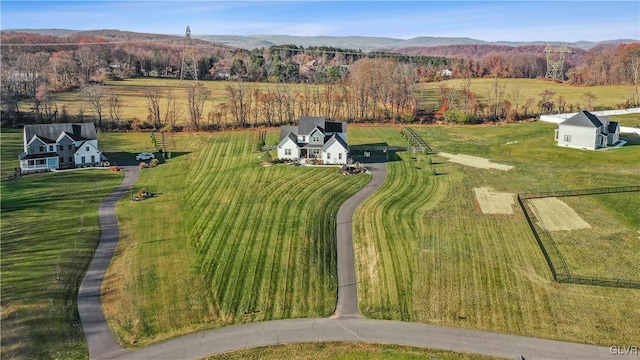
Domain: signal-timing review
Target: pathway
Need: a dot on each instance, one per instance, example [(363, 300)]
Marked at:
[(347, 324), (102, 344)]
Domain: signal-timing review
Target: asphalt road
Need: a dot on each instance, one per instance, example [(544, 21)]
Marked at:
[(102, 344), (347, 304), (347, 324)]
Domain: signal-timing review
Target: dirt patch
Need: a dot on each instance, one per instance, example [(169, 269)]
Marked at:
[(475, 161), (492, 202), (555, 215)]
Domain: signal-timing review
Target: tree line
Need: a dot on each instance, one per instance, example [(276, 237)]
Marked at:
[(349, 84)]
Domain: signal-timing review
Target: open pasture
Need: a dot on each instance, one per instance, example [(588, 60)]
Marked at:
[(49, 233), (605, 96), (131, 93), (225, 241), (426, 252)]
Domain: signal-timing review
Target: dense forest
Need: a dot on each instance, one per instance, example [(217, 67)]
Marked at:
[(375, 85)]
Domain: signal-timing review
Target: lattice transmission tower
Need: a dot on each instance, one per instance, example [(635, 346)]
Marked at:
[(188, 69), (555, 61)]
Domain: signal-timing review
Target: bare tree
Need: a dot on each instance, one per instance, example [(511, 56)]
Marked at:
[(589, 98), (95, 93), (239, 102), (174, 110), (196, 98), (115, 105), (153, 95)]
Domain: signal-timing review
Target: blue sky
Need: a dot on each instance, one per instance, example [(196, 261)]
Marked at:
[(566, 21)]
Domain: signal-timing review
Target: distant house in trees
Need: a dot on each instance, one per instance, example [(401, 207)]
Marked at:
[(315, 138), (59, 146), (587, 131)]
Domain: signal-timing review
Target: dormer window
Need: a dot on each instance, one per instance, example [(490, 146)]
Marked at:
[(304, 138), (316, 139)]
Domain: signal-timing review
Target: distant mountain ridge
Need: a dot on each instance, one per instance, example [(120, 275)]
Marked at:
[(366, 43), (363, 43)]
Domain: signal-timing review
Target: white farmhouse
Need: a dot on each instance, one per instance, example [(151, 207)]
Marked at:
[(587, 131), (314, 138), (60, 146)]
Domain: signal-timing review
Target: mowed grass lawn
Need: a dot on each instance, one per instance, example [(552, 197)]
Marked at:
[(425, 252), (50, 231), (225, 241), (345, 351)]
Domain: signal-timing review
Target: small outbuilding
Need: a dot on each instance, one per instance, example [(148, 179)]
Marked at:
[(585, 130)]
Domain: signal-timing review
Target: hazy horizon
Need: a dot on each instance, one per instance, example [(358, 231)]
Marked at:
[(491, 21)]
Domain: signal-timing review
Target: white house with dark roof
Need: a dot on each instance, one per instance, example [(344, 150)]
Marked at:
[(587, 131), (59, 146), (314, 137)]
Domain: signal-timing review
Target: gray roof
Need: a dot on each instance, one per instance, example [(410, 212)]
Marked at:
[(583, 118), (286, 130), (51, 132), (308, 123), (333, 139)]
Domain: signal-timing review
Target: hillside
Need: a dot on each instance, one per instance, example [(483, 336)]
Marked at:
[(364, 43)]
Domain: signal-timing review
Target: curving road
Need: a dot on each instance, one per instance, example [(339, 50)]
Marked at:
[(102, 344), (346, 324)]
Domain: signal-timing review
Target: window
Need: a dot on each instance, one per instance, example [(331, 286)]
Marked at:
[(41, 148), (316, 139), (304, 138), (40, 162), (60, 147), (70, 147), (339, 156), (93, 158), (87, 148), (50, 148), (83, 160), (328, 155), (70, 158), (567, 138), (287, 151)]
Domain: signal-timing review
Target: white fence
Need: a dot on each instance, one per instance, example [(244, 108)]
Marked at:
[(558, 118)]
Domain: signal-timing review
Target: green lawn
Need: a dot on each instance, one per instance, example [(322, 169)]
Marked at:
[(425, 251), (49, 233), (345, 351), (10, 147), (225, 241)]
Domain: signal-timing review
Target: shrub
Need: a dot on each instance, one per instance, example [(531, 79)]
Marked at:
[(154, 162), (143, 165)]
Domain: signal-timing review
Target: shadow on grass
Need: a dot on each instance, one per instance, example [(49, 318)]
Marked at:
[(129, 159)]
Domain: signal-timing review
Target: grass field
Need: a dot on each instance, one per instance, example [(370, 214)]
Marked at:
[(49, 233), (134, 103), (606, 96), (345, 351), (225, 241), (425, 252), (609, 248)]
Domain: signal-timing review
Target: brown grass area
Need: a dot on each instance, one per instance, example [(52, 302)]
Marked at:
[(492, 202), (15, 334), (556, 215)]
